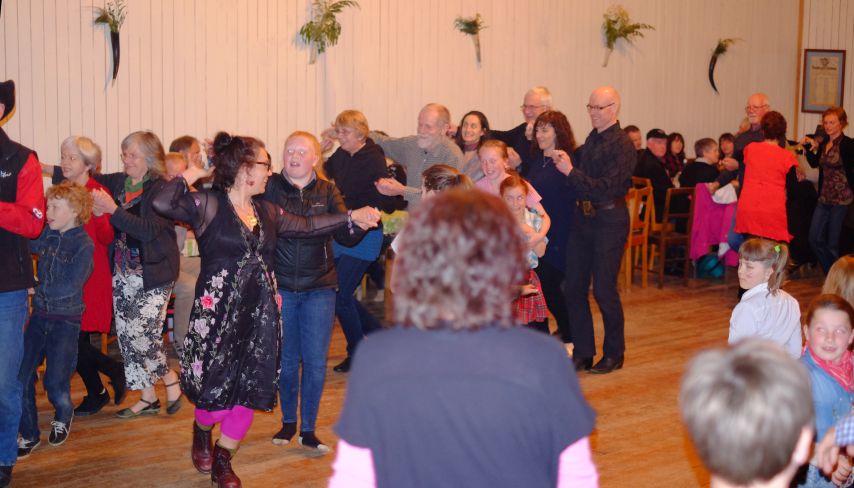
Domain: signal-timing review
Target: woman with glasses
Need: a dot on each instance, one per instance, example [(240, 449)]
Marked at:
[(145, 265), (231, 359)]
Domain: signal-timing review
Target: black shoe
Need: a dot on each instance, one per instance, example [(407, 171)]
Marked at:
[(607, 365), (58, 432), (582, 364), (284, 436), (92, 404), (5, 476), (343, 366), (25, 447), (117, 379), (309, 440)]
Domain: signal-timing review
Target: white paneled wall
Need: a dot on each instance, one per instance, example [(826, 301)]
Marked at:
[(197, 66), (829, 24)]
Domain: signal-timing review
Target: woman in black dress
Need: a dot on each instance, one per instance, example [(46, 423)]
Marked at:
[(230, 365)]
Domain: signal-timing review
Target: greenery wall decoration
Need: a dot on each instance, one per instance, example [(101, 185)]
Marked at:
[(113, 16), (471, 26), (617, 25), (323, 29), (720, 49)]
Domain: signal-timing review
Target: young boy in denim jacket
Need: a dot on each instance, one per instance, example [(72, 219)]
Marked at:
[(65, 263)]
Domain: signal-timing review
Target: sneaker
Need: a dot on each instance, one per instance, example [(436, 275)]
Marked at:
[(58, 432), (343, 366), (309, 440), (92, 404), (25, 447), (285, 435)]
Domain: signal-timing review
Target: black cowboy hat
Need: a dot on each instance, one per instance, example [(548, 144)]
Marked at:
[(7, 98)]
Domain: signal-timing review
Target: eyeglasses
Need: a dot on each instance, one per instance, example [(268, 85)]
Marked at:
[(755, 108), (130, 157), (268, 164), (598, 108), (296, 152), (531, 107)]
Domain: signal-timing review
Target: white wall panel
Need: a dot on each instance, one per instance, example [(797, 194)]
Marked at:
[(198, 66), (829, 24)]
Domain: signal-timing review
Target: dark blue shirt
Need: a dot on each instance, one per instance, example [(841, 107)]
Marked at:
[(559, 203), (603, 166)]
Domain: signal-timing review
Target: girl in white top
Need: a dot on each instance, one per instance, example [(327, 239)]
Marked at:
[(765, 310)]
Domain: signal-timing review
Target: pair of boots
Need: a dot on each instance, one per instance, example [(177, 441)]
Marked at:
[(213, 459)]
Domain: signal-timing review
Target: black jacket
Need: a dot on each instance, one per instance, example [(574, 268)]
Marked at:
[(651, 167), (846, 153), (156, 235), (308, 263), (355, 175)]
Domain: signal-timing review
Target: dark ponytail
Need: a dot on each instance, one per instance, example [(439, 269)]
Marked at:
[(230, 154)]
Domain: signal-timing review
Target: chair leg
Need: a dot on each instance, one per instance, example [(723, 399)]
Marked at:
[(104, 343), (644, 269)]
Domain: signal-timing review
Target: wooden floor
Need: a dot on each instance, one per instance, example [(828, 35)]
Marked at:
[(638, 439)]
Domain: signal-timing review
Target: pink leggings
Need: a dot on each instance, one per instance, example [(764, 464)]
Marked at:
[(234, 422)]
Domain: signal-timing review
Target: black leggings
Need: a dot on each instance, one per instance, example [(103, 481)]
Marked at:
[(551, 280), (90, 361)]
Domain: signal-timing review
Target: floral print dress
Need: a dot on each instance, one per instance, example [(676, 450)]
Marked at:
[(233, 342)]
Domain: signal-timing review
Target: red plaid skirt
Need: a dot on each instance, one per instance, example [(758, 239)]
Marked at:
[(531, 308)]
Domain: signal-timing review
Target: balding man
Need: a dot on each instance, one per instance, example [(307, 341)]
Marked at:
[(537, 100), (417, 153), (757, 106), (600, 174)]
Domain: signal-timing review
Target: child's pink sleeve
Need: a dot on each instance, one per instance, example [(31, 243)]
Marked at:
[(353, 467), (576, 468)]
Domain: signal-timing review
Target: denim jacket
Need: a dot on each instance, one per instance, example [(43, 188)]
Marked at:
[(832, 402), (65, 263)]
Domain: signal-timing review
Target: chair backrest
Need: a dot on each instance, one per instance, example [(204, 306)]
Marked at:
[(639, 217), (678, 211), (638, 182)]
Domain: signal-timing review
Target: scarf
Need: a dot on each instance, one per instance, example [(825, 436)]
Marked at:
[(134, 190), (841, 372)]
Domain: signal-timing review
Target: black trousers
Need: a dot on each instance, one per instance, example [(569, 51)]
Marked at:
[(594, 251), (551, 280), (90, 361)]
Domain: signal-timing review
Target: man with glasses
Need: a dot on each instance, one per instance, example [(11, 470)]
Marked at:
[(600, 173), (537, 100), (757, 106)]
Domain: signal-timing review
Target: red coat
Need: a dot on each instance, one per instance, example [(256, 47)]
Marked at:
[(762, 204), (98, 290)]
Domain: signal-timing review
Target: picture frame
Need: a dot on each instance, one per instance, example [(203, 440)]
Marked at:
[(824, 79)]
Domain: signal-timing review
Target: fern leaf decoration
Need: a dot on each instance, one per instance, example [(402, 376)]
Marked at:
[(471, 26), (324, 29), (618, 25)]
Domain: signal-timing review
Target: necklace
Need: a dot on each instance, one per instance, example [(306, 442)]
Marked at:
[(247, 216)]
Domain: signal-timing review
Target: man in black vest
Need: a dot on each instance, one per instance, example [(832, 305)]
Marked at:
[(21, 219)]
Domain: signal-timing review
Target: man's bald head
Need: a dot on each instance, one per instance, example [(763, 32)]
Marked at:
[(603, 107), (757, 106)]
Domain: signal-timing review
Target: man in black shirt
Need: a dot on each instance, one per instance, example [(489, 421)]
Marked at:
[(600, 175)]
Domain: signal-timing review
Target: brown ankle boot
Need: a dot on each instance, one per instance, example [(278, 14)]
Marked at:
[(221, 474), (202, 452)]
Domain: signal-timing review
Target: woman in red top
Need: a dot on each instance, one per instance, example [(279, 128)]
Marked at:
[(80, 159), (768, 169)]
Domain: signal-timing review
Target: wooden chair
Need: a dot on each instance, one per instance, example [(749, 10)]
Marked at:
[(639, 202), (668, 233)]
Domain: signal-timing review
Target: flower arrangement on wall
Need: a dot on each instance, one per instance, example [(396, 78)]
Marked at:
[(720, 49), (113, 16), (471, 26), (323, 29), (618, 25)]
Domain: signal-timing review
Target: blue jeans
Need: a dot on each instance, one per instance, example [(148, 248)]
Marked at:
[(13, 317), (307, 319), (733, 238), (825, 230), (356, 321), (57, 341)]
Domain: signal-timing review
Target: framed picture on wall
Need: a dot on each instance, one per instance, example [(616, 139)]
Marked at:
[(824, 79)]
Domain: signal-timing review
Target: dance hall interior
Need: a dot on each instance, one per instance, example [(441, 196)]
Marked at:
[(388, 243)]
